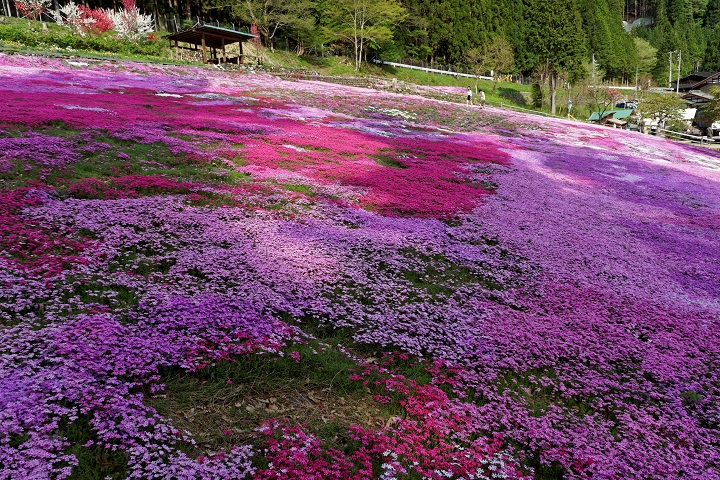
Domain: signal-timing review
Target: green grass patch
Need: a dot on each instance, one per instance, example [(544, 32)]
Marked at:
[(105, 157), (538, 396), (438, 275), (223, 404), (94, 291), (295, 187), (388, 161), (94, 461)]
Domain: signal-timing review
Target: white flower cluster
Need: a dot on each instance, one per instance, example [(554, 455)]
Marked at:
[(131, 24), (71, 16), (128, 23), (393, 112)]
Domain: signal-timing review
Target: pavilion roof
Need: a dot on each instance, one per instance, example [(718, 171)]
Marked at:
[(215, 37)]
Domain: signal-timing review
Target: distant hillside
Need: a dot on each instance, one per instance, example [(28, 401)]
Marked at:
[(546, 37)]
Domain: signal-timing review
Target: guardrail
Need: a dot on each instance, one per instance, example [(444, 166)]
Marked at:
[(686, 136)]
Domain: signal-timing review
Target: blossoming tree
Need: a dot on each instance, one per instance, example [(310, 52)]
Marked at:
[(31, 9), (130, 23)]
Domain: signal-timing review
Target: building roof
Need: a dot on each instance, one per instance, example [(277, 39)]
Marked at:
[(698, 95), (617, 114), (696, 80), (699, 74), (615, 121), (215, 37)]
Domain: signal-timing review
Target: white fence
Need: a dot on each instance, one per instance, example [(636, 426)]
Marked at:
[(447, 71), (686, 136)]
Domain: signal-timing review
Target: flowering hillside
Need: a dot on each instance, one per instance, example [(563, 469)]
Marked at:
[(218, 275)]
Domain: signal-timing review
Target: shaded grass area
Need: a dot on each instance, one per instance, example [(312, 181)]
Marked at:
[(94, 461), (222, 405), (295, 187), (440, 275), (388, 161)]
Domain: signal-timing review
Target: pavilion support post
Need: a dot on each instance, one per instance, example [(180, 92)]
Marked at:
[(223, 50), (241, 52), (204, 49)]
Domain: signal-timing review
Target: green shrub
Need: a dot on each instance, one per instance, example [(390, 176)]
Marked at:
[(537, 95), (32, 35)]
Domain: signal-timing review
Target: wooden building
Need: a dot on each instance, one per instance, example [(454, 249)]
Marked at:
[(613, 118), (699, 81), (212, 41)]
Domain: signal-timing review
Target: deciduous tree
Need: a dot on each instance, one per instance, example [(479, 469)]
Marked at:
[(31, 9), (667, 109), (362, 22), (646, 55), (129, 23), (271, 16), (497, 57), (711, 112), (600, 99)]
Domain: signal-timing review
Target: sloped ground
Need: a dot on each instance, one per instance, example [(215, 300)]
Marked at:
[(183, 249)]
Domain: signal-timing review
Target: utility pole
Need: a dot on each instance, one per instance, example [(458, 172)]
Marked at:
[(593, 69), (637, 85), (677, 88)]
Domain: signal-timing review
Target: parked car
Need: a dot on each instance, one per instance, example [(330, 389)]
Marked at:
[(707, 128), (714, 129), (632, 104)]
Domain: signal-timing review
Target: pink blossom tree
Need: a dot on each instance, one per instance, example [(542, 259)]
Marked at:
[(31, 9)]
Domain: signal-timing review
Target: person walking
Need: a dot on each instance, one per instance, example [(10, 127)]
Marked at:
[(482, 98), (468, 99)]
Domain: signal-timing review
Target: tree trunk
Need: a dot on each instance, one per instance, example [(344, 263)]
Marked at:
[(553, 91)]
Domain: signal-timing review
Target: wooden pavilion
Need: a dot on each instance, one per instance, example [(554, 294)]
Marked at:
[(216, 39)]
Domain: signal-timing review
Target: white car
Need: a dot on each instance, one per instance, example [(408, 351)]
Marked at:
[(714, 129)]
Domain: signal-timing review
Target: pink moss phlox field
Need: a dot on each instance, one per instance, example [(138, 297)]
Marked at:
[(558, 282)]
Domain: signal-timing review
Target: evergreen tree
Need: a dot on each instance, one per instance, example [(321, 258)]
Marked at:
[(679, 11), (555, 37), (692, 44), (712, 14), (412, 34), (711, 61), (613, 48), (664, 38)]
